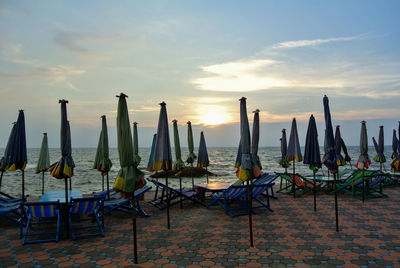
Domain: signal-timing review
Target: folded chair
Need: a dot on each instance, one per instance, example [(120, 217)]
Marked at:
[(43, 215), (160, 201), (234, 199), (88, 209), (118, 203)]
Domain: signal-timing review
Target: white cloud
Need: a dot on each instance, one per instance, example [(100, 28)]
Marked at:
[(312, 42)]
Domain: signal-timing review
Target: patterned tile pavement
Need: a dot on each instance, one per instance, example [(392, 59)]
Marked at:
[(293, 235)]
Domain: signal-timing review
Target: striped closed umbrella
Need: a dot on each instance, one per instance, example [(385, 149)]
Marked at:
[(136, 157), (64, 168), (150, 162), (129, 177), (4, 159), (43, 163), (294, 152), (162, 152), (363, 159), (312, 155), (283, 162), (379, 148), (246, 165), (330, 155), (202, 160), (255, 138), (102, 160)]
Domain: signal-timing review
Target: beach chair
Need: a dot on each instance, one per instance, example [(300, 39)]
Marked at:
[(267, 178), (8, 198), (118, 203), (234, 200), (302, 185), (373, 186), (12, 213), (172, 194), (43, 215), (87, 209), (349, 184)]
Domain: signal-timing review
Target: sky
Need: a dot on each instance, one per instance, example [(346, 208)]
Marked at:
[(199, 57)]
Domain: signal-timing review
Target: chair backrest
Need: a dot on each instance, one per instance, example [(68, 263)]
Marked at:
[(259, 188), (265, 178), (86, 205), (42, 209), (235, 191)]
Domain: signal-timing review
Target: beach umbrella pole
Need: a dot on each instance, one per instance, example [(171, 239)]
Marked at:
[(250, 212), (207, 174), (108, 187), (42, 182), (336, 203), (1, 179), (180, 189), (293, 179), (191, 164), (135, 254), (102, 183), (23, 185), (168, 203), (70, 184), (363, 191), (315, 194), (66, 205)]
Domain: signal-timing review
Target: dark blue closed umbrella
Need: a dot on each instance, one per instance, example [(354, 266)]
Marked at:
[(4, 159), (255, 138), (338, 148), (202, 159), (294, 152), (16, 155), (150, 162), (312, 155), (283, 162), (363, 159), (330, 156)]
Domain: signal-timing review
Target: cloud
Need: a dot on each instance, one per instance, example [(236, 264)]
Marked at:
[(239, 76), (312, 42), (10, 49)]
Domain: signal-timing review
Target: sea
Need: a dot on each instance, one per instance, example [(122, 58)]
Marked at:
[(89, 180)]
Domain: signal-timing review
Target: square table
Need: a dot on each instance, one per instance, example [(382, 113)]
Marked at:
[(214, 187)]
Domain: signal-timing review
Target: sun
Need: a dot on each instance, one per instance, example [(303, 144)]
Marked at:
[(213, 115)]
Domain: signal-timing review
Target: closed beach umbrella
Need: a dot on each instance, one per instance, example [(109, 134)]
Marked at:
[(330, 156), (283, 162), (338, 148), (246, 166), (16, 157), (294, 152), (347, 157), (202, 160), (238, 156), (162, 152), (312, 155), (191, 157), (379, 148), (102, 160), (4, 159), (150, 162), (64, 168), (178, 164), (395, 163), (394, 144), (43, 163), (136, 156), (363, 159), (255, 138), (129, 177)]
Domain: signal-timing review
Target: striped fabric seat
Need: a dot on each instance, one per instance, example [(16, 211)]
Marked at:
[(41, 213), (88, 209)]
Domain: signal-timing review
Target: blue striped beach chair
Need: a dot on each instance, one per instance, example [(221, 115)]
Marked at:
[(88, 209), (41, 213)]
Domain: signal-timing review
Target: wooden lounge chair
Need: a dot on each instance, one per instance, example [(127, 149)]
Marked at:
[(237, 195), (87, 209), (160, 201), (41, 213)]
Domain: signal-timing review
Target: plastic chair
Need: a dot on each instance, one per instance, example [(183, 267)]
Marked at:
[(41, 213)]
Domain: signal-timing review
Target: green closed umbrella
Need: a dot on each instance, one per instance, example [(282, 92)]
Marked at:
[(44, 159), (162, 152), (178, 164), (191, 157), (136, 156), (129, 177), (102, 160)]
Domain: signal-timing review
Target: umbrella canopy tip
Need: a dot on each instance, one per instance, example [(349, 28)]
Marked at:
[(188, 122), (243, 99), (122, 95), (135, 123), (162, 103), (62, 101), (256, 111)]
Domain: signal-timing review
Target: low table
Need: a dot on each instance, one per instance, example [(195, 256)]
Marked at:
[(210, 187)]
